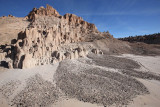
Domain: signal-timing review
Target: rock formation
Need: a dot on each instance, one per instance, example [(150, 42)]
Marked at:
[(41, 43), (48, 11), (97, 51), (46, 37)]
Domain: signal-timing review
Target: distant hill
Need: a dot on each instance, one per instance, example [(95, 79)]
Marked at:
[(149, 39)]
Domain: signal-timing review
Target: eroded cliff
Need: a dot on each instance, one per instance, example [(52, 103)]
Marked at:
[(43, 40)]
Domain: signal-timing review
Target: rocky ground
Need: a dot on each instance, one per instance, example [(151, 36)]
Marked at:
[(66, 60), (97, 85), (96, 79), (38, 92)]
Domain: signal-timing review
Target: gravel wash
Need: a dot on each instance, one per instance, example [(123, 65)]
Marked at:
[(37, 93), (95, 85), (98, 79)]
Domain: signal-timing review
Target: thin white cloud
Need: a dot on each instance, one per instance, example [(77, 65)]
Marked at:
[(140, 12)]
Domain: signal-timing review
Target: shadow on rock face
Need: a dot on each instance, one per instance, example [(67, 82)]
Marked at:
[(4, 64), (96, 85)]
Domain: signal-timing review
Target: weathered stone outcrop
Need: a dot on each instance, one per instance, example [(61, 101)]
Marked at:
[(41, 43), (97, 51), (10, 15), (44, 39), (35, 47), (2, 56), (48, 11), (6, 56), (77, 21)]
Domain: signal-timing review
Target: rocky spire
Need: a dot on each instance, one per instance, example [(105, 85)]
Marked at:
[(48, 11)]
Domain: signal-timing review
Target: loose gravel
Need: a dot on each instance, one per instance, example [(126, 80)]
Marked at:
[(37, 93), (99, 86), (8, 89), (113, 62), (140, 74), (86, 79), (125, 66)]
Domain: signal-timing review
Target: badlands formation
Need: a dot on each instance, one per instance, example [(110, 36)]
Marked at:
[(51, 38), (82, 67)]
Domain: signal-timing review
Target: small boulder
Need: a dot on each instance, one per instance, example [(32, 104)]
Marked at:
[(97, 51)]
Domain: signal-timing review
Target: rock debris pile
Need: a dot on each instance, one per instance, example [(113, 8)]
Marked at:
[(95, 85), (38, 92), (85, 80)]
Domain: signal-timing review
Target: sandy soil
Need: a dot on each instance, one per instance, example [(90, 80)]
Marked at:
[(74, 103), (96, 81), (148, 63), (151, 64), (150, 100)]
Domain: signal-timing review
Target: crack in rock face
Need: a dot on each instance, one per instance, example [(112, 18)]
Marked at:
[(96, 85)]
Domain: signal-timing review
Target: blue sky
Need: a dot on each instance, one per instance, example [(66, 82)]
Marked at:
[(120, 17)]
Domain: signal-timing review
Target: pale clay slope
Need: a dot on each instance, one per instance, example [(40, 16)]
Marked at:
[(47, 72), (10, 27)]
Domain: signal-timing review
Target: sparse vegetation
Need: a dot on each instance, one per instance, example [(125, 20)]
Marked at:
[(149, 39)]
